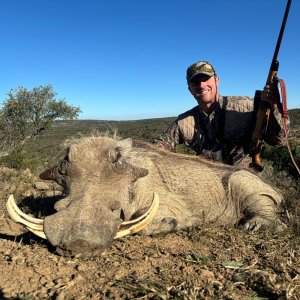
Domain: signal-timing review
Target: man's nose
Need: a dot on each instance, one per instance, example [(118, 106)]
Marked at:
[(202, 83)]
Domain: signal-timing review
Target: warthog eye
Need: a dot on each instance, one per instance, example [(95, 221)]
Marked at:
[(122, 215), (120, 167), (115, 155), (62, 170)]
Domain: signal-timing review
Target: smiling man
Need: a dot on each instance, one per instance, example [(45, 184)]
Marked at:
[(221, 127)]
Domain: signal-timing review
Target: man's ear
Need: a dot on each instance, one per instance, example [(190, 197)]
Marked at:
[(217, 80)]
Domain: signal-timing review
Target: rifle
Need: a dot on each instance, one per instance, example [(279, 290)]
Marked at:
[(262, 108)]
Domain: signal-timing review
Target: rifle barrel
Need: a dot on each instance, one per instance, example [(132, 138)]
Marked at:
[(287, 9)]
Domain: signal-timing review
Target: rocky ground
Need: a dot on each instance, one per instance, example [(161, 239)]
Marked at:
[(202, 263)]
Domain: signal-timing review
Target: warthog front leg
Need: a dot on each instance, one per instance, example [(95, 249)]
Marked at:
[(256, 200), (260, 211)]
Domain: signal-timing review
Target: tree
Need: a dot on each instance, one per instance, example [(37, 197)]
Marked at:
[(25, 114)]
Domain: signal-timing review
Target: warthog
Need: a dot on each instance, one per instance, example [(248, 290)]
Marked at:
[(110, 184)]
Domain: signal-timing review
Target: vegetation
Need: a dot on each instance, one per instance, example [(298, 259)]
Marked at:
[(25, 114), (44, 148), (295, 118), (279, 157)]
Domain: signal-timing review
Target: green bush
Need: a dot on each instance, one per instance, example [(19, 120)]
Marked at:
[(20, 160), (25, 114), (184, 150), (280, 159)]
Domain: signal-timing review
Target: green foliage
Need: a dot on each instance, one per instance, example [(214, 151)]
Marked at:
[(181, 148), (25, 114), (280, 158), (19, 159), (294, 115)]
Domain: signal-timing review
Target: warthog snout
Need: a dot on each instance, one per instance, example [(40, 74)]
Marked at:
[(77, 230), (75, 247), (80, 240)]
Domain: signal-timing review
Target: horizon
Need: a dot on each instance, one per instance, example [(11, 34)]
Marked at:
[(128, 120)]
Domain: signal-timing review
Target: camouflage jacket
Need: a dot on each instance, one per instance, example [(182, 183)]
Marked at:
[(223, 135)]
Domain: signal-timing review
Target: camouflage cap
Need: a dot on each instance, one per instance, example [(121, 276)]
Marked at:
[(200, 67)]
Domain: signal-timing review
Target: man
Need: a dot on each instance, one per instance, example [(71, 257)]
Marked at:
[(221, 127)]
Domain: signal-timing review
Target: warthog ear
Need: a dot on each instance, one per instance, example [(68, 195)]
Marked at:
[(118, 157), (115, 155), (120, 151)]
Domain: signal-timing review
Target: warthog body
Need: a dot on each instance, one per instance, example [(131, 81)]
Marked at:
[(108, 181)]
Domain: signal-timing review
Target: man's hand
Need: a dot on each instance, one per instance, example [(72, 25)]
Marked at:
[(270, 94), (165, 143)]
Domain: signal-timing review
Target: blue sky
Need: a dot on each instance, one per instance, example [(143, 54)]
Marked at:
[(127, 59)]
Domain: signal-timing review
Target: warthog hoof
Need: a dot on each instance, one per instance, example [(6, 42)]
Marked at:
[(256, 223)]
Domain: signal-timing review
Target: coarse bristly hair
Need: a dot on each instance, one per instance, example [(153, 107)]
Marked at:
[(111, 133)]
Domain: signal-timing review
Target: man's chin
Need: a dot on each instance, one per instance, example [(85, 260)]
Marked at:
[(204, 100)]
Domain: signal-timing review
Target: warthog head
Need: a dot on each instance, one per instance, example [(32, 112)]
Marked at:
[(97, 180)]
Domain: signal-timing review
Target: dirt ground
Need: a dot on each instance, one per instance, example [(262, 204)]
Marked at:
[(202, 263)]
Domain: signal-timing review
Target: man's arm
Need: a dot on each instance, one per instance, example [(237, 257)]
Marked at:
[(275, 131), (171, 138)]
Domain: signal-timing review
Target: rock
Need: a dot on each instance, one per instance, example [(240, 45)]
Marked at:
[(51, 193), (40, 185)]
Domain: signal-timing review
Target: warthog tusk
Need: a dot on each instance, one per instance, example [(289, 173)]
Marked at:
[(32, 224), (36, 225), (11, 201), (39, 233), (133, 226)]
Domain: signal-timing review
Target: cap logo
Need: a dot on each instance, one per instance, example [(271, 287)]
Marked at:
[(204, 67), (201, 67)]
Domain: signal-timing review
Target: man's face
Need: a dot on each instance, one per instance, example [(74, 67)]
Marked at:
[(204, 89)]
